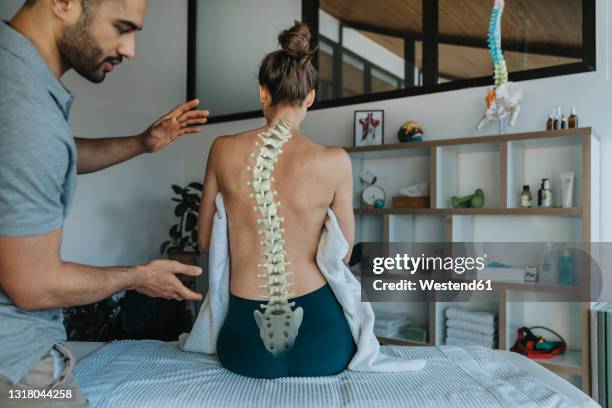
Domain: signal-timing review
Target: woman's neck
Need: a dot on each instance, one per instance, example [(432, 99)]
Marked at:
[(289, 115)]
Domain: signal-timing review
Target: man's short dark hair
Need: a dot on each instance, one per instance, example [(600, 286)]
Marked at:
[(87, 4)]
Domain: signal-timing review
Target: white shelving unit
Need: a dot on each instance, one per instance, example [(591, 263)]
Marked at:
[(500, 165)]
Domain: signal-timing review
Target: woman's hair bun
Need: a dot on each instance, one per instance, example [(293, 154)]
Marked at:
[(296, 41), (288, 73)]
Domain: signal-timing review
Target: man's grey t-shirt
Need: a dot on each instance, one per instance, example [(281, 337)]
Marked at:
[(37, 183)]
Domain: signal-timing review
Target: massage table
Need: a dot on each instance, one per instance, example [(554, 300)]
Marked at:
[(151, 373)]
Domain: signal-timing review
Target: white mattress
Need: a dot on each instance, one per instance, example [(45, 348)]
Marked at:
[(157, 374)]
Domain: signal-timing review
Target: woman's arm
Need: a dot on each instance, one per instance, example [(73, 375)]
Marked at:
[(342, 204), (207, 203)]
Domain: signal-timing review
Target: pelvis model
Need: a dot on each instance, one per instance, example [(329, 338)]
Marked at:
[(279, 323)]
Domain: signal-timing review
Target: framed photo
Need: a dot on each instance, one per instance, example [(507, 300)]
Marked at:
[(369, 127)]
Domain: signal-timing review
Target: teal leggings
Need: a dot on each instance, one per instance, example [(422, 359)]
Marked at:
[(324, 344)]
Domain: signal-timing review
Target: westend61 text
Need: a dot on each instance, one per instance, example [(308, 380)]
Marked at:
[(429, 284)]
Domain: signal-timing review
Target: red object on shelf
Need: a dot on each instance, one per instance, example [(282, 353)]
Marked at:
[(526, 344), (540, 354)]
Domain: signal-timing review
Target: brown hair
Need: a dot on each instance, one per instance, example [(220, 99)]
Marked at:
[(288, 73)]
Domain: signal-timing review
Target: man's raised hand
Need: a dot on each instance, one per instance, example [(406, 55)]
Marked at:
[(182, 120)]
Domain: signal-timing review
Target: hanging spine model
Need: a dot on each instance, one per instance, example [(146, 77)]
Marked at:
[(278, 324), (503, 99), (500, 69)]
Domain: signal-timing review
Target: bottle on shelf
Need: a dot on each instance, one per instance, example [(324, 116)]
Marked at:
[(556, 118), (567, 268), (549, 123), (563, 122), (526, 198), (573, 119), (540, 194), (545, 194), (548, 267)]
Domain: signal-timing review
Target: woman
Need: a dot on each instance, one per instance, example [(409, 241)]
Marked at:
[(277, 184)]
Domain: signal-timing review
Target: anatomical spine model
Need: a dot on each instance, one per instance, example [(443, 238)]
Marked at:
[(278, 324), (503, 99)]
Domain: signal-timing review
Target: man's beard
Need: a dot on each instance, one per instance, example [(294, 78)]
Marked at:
[(81, 52)]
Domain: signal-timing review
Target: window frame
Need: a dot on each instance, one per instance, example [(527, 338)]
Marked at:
[(430, 39)]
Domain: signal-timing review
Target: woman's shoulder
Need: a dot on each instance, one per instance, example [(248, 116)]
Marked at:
[(330, 160), (231, 140), (331, 152)]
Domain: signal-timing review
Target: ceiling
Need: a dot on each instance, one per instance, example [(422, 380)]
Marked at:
[(552, 30)]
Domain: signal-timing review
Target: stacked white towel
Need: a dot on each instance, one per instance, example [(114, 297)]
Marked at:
[(466, 327), (391, 325)]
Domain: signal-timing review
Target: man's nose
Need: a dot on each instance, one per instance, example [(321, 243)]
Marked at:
[(128, 48)]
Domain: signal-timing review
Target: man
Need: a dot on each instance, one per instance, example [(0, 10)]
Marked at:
[(39, 161)]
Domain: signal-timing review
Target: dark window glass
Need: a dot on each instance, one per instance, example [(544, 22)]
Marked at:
[(535, 34), (372, 50)]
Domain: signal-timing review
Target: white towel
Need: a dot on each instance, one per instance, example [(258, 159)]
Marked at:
[(458, 341), (472, 316), (464, 334), (473, 327), (203, 336), (390, 326), (388, 321), (331, 250)]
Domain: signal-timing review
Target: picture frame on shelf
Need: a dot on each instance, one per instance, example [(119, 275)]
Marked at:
[(369, 127)]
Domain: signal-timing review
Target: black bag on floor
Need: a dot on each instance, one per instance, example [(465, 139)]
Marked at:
[(143, 317)]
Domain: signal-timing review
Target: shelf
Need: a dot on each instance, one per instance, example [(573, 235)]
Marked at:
[(500, 165), (569, 362), (497, 285), (418, 148), (571, 212), (536, 287), (400, 342)]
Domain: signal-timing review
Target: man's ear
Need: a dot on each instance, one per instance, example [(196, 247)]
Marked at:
[(310, 98), (67, 11)]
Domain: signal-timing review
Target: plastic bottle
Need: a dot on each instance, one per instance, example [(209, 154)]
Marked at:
[(567, 268), (548, 265), (545, 194)]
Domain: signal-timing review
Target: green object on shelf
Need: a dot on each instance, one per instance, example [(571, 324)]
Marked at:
[(414, 333), (475, 200)]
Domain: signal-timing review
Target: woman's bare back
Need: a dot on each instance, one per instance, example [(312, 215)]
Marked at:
[(305, 180)]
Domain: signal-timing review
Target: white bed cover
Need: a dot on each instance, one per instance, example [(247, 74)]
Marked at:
[(157, 374)]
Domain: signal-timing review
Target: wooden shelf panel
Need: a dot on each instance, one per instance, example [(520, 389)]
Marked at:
[(536, 287), (497, 285), (400, 342), (401, 149), (570, 362), (571, 212), (512, 160)]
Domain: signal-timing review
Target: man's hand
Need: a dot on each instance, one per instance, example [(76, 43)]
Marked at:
[(100, 153), (157, 279), (180, 121)]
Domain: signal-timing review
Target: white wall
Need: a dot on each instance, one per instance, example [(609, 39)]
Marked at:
[(454, 114), (121, 215), (233, 38)]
